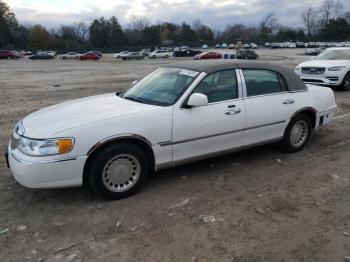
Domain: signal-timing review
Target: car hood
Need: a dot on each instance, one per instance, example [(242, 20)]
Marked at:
[(49, 121), (325, 63)]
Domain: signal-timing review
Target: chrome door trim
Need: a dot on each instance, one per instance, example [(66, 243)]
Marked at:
[(244, 86), (168, 143)]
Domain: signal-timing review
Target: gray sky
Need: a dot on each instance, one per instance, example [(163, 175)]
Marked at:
[(216, 14)]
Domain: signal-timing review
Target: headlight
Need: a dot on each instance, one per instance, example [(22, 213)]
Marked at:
[(336, 68), (46, 147)]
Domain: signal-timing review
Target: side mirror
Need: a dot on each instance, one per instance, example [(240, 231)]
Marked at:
[(134, 82), (197, 100)]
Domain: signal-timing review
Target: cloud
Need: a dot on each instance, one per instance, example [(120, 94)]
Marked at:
[(217, 14)]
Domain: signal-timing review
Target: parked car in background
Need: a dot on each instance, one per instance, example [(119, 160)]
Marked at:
[(70, 55), (204, 46), (267, 44), (208, 55), (177, 114), (120, 54), (145, 52), (246, 54), (16, 53), (217, 46), (7, 54), (27, 53), (223, 45), (160, 54), (89, 56), (231, 46), (133, 56), (246, 46), (186, 53), (329, 68), (98, 53), (312, 51), (50, 52), (254, 46), (275, 45), (41, 55), (300, 44), (292, 45)]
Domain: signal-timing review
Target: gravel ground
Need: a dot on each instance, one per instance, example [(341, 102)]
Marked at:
[(259, 205)]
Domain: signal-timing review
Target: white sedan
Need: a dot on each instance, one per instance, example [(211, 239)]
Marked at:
[(120, 55), (70, 55), (177, 114), (329, 68)]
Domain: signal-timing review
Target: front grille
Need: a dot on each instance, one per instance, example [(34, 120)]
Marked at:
[(312, 80), (313, 70)]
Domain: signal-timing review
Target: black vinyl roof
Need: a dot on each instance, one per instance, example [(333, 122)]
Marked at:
[(294, 83)]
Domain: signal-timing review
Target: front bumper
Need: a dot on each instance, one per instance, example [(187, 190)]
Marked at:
[(53, 173), (328, 79)]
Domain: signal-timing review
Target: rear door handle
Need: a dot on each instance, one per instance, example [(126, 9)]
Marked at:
[(233, 111), (288, 101)]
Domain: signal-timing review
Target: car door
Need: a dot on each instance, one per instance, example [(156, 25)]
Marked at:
[(203, 131), (268, 105)]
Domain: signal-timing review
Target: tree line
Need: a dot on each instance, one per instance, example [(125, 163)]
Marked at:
[(327, 22)]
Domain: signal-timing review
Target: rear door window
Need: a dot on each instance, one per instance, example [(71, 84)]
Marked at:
[(263, 82)]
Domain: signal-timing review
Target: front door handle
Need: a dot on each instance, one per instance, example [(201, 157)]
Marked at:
[(288, 101), (233, 111)]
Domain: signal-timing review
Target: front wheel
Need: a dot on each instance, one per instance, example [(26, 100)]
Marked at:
[(345, 86), (297, 133), (118, 171)]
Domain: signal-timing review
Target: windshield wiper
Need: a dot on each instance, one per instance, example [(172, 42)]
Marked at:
[(133, 99)]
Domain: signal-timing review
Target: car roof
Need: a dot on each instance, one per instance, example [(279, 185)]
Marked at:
[(293, 81)]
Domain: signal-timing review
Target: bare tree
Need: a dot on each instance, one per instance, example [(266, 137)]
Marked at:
[(197, 25), (330, 10), (310, 19), (138, 24), (268, 24), (81, 31)]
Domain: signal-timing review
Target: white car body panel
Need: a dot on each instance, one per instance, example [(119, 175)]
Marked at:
[(175, 135)]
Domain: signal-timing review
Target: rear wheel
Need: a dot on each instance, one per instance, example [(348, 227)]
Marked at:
[(297, 133), (345, 86), (118, 170)]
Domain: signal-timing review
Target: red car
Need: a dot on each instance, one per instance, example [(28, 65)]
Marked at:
[(89, 56), (208, 55), (6, 54)]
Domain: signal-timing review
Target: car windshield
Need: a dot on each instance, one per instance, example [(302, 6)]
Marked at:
[(162, 87), (341, 54)]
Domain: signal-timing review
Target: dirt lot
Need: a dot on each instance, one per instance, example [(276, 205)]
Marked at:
[(268, 205)]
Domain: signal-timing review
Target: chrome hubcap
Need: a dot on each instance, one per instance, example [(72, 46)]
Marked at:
[(299, 133), (121, 173)]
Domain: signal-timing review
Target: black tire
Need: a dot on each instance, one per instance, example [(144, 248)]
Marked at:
[(99, 165), (287, 144), (345, 85)]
